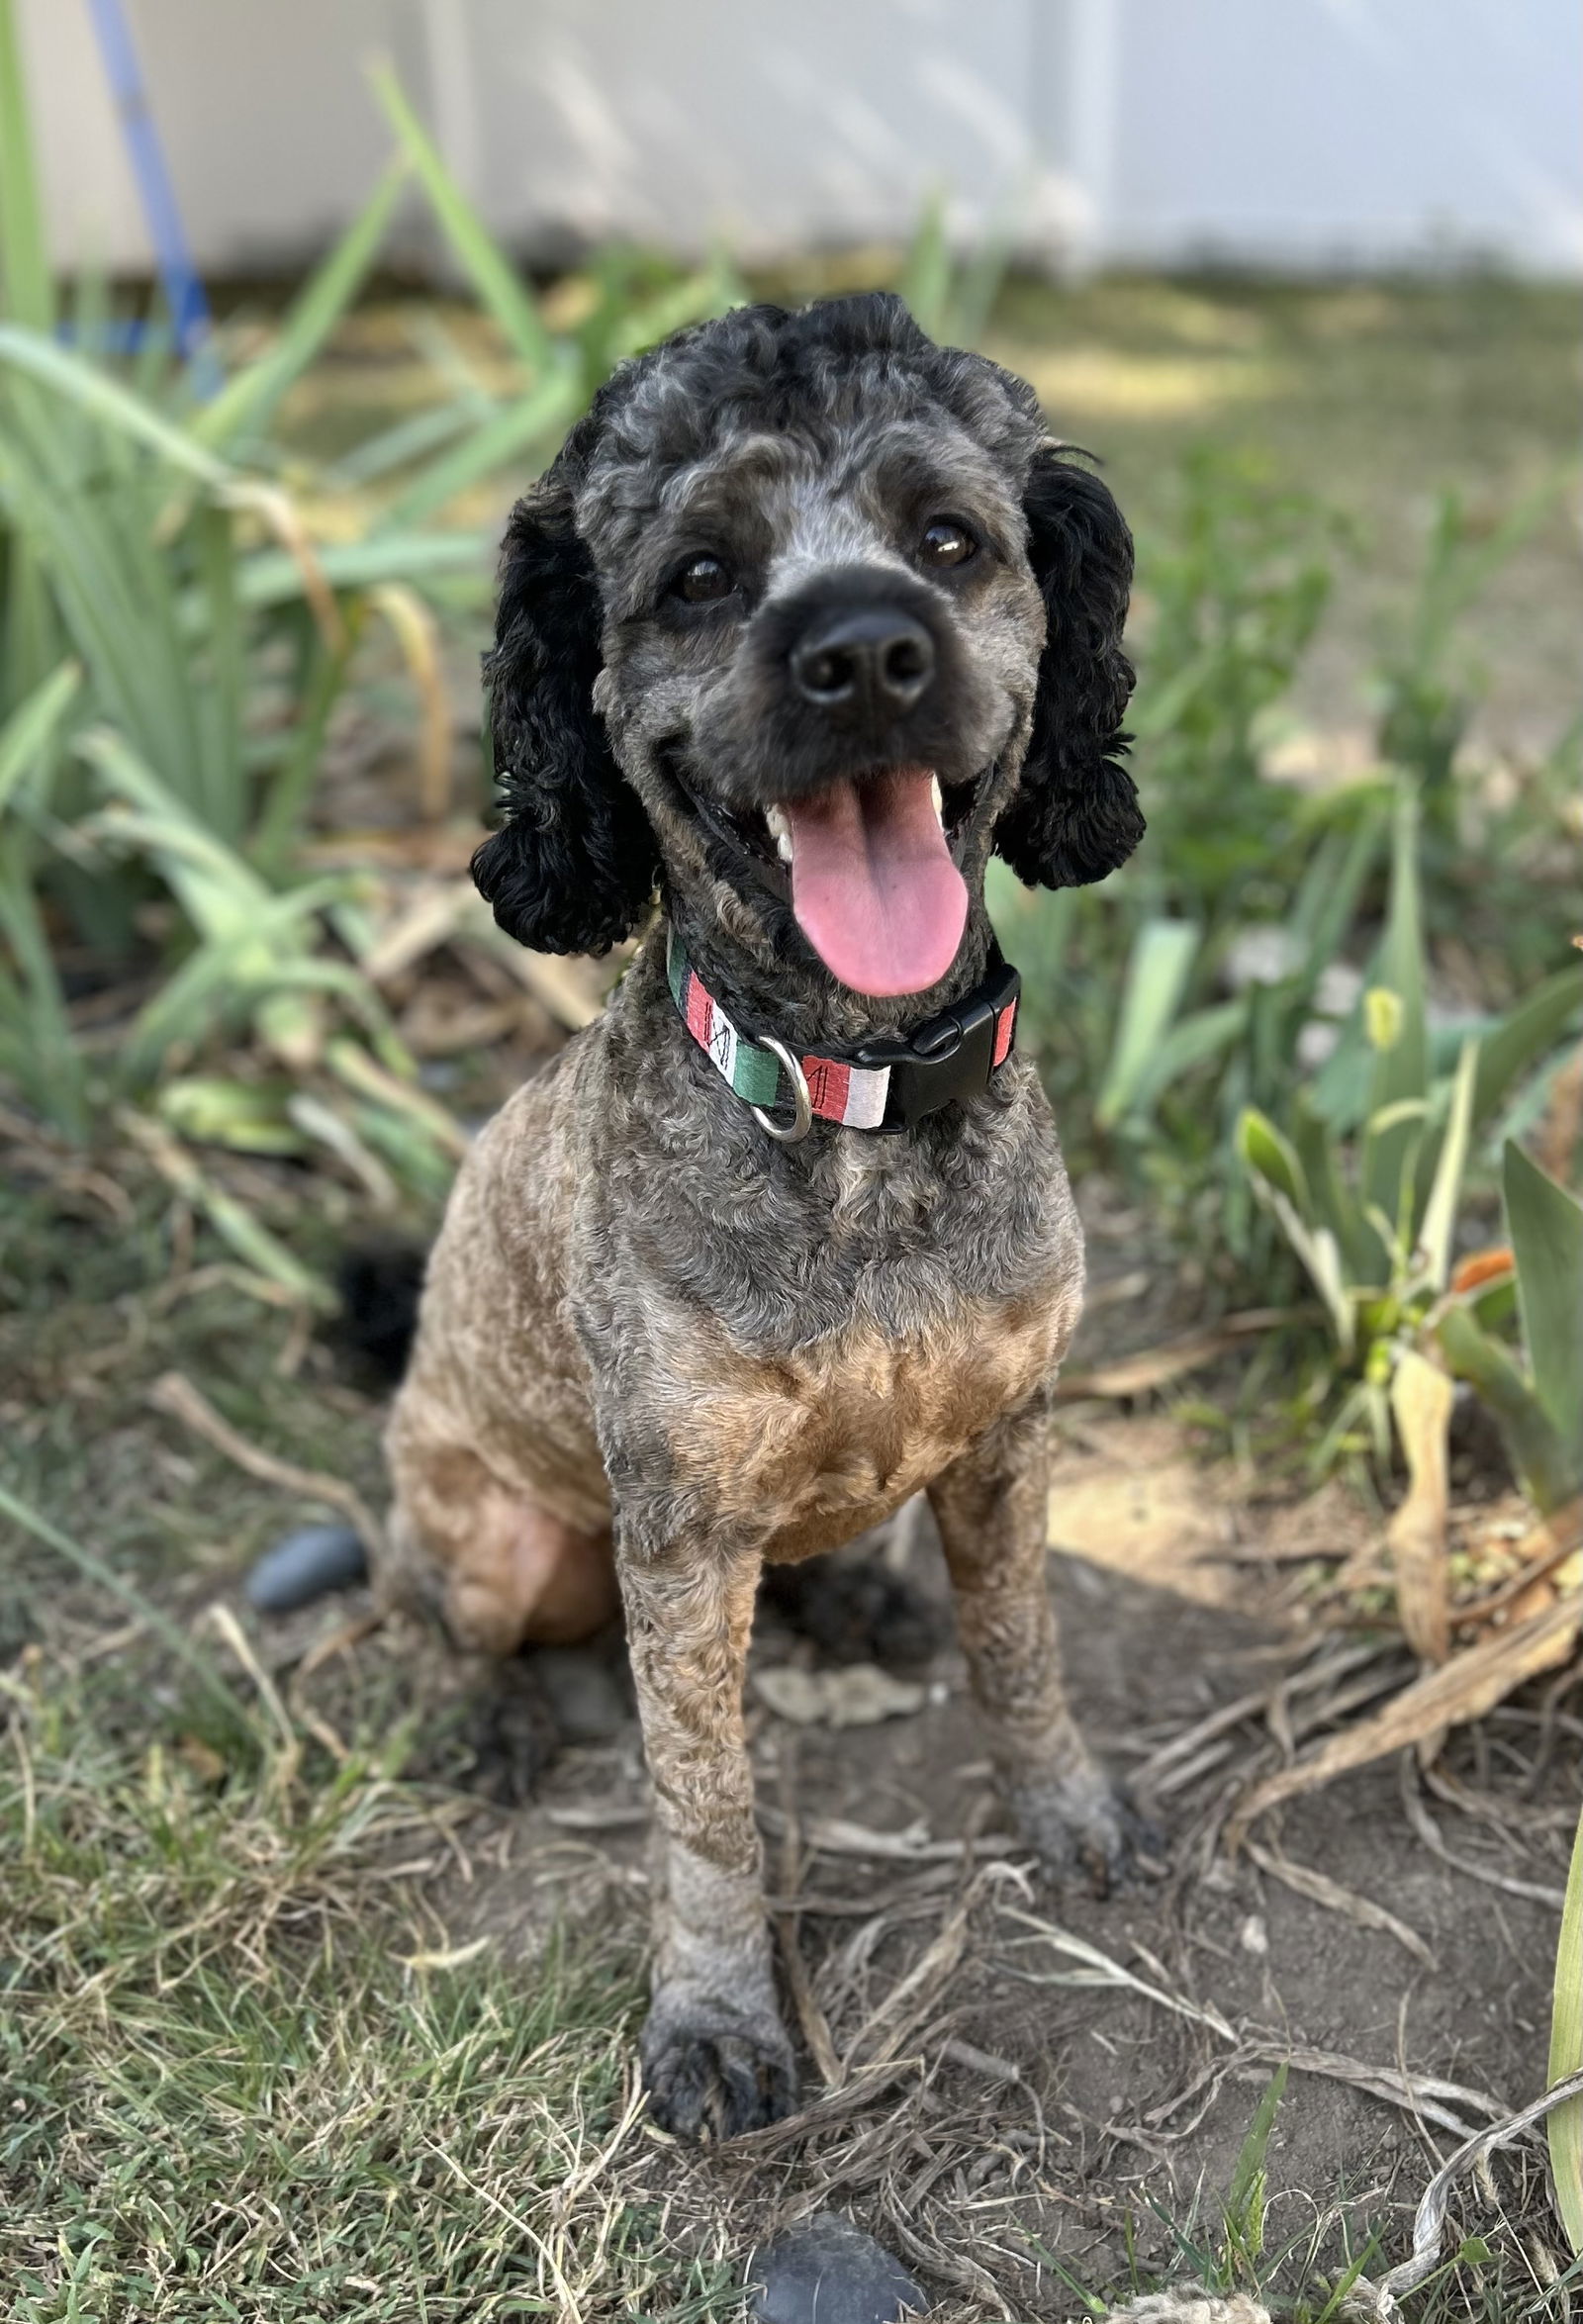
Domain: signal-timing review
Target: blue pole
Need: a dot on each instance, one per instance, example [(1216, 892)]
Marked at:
[(184, 292)]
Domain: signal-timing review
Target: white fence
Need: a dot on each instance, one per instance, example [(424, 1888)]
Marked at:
[(1289, 133)]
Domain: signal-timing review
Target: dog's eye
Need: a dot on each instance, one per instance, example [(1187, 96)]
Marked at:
[(701, 580), (945, 542)]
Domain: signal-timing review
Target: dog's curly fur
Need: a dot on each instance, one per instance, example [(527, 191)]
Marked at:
[(657, 1349)]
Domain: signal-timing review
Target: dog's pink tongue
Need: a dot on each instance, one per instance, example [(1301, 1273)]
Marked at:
[(873, 884)]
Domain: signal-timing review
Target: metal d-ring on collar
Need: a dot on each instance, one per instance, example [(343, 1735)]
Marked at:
[(793, 1132)]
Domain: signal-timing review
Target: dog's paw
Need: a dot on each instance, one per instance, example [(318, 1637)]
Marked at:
[(714, 2069), (1082, 1826)]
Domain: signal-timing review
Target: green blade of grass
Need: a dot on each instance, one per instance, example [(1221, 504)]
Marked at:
[(105, 1577), (1522, 1036), (1400, 1070), (1445, 1192), (269, 577), (1537, 1452)]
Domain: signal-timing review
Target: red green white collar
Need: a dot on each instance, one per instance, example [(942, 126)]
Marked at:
[(887, 1086)]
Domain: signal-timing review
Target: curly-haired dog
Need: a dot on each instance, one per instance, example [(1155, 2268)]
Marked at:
[(808, 619)]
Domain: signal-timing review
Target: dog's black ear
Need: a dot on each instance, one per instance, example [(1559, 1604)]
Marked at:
[(573, 863), (1074, 814)]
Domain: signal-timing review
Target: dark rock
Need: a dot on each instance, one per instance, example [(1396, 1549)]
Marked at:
[(826, 2270), (304, 1566)]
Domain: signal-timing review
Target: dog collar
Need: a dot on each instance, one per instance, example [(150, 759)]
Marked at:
[(886, 1085)]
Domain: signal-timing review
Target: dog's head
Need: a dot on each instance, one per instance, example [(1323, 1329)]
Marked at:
[(808, 615)]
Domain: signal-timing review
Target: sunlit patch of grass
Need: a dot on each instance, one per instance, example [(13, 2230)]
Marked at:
[(1096, 384)]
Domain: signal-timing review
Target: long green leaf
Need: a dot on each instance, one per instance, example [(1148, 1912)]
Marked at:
[(1522, 1036), (1331, 1199), (246, 400), (25, 281), (42, 1056), (104, 399), (484, 262), (1540, 1456), (32, 725), (1547, 1243), (1564, 2129), (1401, 1070), (1445, 1192), (269, 577), (1157, 973), (544, 412), (1189, 1042)]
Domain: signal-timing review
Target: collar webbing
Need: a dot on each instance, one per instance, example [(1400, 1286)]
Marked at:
[(888, 1084)]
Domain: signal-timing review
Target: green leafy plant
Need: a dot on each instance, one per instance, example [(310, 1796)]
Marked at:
[(1366, 1179), (177, 630)]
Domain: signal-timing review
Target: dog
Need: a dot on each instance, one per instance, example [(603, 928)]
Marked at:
[(808, 617)]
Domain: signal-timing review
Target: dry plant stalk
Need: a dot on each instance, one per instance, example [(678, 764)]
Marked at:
[(1462, 1690), (1421, 1402), (175, 1394)]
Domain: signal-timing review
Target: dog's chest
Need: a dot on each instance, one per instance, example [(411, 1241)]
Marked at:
[(803, 1449)]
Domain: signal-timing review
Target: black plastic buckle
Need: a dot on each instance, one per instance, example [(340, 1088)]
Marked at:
[(950, 1057)]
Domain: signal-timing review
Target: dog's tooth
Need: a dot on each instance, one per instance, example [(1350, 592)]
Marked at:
[(938, 798), (780, 832)]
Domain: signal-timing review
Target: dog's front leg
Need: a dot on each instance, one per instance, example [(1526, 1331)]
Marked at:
[(991, 1510), (715, 2054)]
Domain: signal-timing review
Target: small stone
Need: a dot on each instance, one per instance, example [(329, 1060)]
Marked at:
[(826, 2270), (306, 1565)]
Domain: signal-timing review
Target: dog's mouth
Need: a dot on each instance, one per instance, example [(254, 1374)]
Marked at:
[(873, 881), (874, 886)]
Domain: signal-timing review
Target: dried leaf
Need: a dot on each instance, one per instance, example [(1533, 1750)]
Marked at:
[(1481, 1267), (1420, 1401)]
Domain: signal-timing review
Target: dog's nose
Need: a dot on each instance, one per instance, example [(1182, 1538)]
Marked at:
[(870, 660)]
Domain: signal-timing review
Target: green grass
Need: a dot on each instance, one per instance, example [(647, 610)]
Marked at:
[(230, 2098)]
